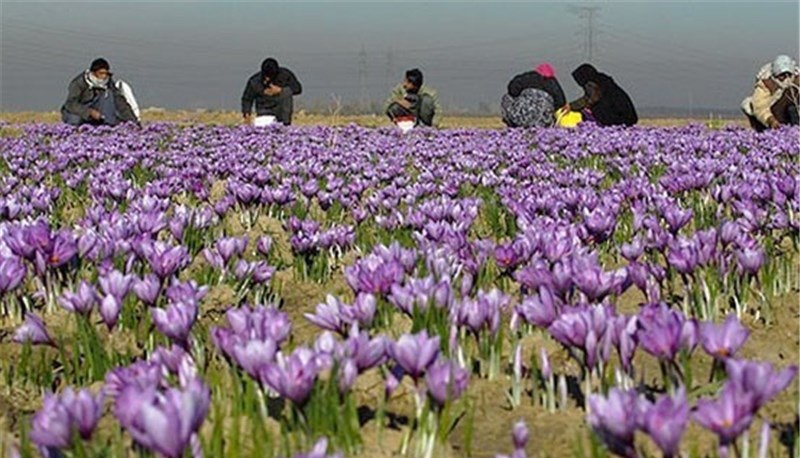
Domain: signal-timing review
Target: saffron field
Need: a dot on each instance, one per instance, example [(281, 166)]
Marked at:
[(194, 290)]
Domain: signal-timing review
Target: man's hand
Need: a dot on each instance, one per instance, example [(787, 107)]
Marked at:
[(95, 114), (272, 90), (404, 103), (773, 123)]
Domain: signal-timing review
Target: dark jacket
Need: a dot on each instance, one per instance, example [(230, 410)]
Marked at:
[(254, 90), (610, 105), (533, 80), (80, 95)]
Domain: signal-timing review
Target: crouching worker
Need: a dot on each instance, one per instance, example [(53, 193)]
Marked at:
[(532, 97), (603, 101), (273, 90), (94, 97), (775, 97), (411, 102)]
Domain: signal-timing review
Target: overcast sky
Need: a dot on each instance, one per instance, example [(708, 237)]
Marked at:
[(184, 54)]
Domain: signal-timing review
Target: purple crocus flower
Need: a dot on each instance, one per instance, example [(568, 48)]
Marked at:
[(176, 321), (116, 284), (292, 377), (264, 245), (729, 415), (750, 258), (540, 309), (481, 313), (261, 272), (84, 409), (759, 378), (141, 374), (51, 426), (12, 272), (365, 352), (165, 260), (590, 278), (677, 218), (446, 381), (62, 415), (362, 311), (507, 255), (254, 355), (320, 450), (665, 420), (171, 358), (613, 418), (164, 422), (110, 309), (82, 301), (32, 330), (414, 353), (64, 249), (147, 289), (519, 436), (632, 251), (659, 331), (723, 341), (328, 315), (584, 328)]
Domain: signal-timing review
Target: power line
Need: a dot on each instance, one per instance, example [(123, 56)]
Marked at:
[(589, 13)]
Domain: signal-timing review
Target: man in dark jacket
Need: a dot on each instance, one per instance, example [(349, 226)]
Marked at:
[(95, 98), (272, 90), (604, 100)]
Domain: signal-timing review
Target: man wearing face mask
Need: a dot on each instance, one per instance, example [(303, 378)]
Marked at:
[(775, 96), (94, 97), (272, 90)]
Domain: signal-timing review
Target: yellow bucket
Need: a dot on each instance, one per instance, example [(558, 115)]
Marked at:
[(568, 118)]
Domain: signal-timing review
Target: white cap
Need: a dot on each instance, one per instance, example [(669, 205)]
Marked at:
[(783, 64)]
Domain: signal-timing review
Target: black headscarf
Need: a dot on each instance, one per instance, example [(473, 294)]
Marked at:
[(614, 106)]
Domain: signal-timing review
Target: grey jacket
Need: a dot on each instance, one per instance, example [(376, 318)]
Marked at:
[(80, 96)]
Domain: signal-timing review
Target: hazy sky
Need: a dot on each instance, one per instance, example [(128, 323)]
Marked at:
[(184, 54)]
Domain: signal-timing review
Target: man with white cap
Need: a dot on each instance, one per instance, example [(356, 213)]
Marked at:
[(775, 97)]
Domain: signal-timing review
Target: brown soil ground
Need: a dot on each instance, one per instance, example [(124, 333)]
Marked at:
[(302, 118)]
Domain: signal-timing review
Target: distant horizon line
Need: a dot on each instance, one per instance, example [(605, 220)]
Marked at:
[(653, 112)]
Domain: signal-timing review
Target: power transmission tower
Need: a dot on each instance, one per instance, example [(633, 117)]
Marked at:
[(589, 14), (362, 78)]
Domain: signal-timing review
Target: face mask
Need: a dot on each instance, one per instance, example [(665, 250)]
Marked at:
[(98, 81)]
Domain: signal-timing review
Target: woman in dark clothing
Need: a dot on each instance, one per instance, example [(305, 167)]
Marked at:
[(604, 100), (532, 98)]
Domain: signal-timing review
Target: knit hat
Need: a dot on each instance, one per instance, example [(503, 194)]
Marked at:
[(783, 64), (546, 70), (99, 64)]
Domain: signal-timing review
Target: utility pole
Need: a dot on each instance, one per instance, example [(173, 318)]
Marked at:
[(362, 78), (589, 14)]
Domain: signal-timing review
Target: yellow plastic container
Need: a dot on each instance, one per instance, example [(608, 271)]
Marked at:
[(568, 118)]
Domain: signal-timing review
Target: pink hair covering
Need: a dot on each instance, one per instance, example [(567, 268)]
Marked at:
[(546, 70)]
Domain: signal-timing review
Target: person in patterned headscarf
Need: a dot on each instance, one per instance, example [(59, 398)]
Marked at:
[(532, 98)]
